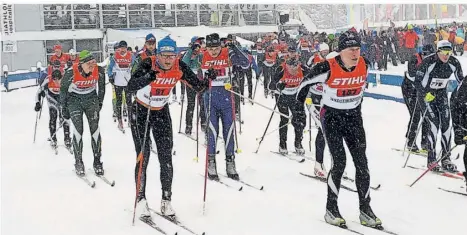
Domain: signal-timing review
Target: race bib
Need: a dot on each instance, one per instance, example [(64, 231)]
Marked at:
[(439, 83)]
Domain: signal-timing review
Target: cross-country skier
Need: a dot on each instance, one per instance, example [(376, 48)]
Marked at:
[(192, 58), (148, 50), (119, 74), (60, 56), (269, 67), (412, 100), (431, 80), (344, 80), (319, 56), (459, 118), (74, 58), (155, 77), (82, 92), (247, 71), (219, 103), (286, 81), (50, 88)]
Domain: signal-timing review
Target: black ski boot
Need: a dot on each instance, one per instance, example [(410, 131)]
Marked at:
[(203, 127), (212, 168), (98, 169), (368, 218), (188, 130), (299, 150), (448, 166), (283, 148), (230, 168), (68, 143), (79, 168)]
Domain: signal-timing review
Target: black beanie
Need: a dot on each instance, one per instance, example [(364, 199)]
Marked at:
[(349, 39), (213, 40)]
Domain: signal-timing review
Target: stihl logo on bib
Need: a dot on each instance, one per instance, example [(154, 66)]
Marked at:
[(215, 63), (86, 83), (346, 82), (166, 81)]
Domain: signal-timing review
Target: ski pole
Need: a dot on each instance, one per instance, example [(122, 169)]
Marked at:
[(288, 123), (181, 115), (197, 127), (264, 106), (234, 122), (38, 78), (434, 164), (140, 158), (256, 86), (416, 135), (410, 126), (309, 127), (269, 122), (207, 147)]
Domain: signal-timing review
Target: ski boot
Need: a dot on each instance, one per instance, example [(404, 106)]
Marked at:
[(230, 168), (166, 206), (299, 150), (413, 148), (115, 116), (68, 142), (333, 217), (265, 94), (368, 218), (320, 171), (79, 168), (53, 143), (448, 166), (98, 169), (212, 168), (436, 168), (283, 148), (203, 127), (142, 208), (120, 126), (125, 113), (188, 130)]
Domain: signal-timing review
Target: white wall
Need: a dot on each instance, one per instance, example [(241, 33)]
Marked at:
[(29, 53)]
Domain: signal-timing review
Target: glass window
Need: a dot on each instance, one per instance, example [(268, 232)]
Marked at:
[(140, 15), (164, 15), (248, 14), (92, 45), (409, 12), (49, 45), (463, 10), (228, 14), (86, 16), (187, 15), (421, 11), (267, 17), (208, 14), (57, 16), (114, 15)]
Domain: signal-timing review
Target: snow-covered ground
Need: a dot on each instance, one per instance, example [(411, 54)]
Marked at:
[(41, 194)]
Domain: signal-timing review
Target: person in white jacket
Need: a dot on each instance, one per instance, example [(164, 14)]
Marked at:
[(119, 72)]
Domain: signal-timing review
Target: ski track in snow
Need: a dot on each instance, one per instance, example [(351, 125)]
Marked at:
[(41, 194)]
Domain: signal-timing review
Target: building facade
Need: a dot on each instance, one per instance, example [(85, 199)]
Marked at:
[(35, 28)]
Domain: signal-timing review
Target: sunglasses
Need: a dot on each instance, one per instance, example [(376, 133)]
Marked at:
[(168, 56), (151, 42), (445, 52)]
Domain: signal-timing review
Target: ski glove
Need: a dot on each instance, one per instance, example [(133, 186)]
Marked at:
[(211, 74), (429, 97), (38, 107), (112, 79), (280, 86), (66, 114), (459, 138)]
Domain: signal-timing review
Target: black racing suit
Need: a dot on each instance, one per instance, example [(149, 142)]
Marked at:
[(160, 122), (286, 101), (459, 118), (433, 77), (342, 124), (412, 101)]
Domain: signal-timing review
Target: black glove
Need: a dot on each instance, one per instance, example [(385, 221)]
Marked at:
[(459, 137), (280, 86), (38, 107), (65, 114), (69, 64), (112, 79), (146, 64), (153, 74), (211, 74)]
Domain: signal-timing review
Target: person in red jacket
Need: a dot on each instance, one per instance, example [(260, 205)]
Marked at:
[(59, 55), (411, 40)]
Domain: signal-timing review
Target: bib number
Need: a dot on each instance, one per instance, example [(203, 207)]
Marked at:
[(438, 83), (348, 92)]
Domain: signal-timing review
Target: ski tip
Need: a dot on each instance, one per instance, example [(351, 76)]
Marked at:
[(262, 187), (93, 184), (302, 160), (241, 188), (113, 183), (203, 233)]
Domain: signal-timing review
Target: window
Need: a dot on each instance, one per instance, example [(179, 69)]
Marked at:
[(208, 14), (409, 12), (228, 14), (92, 45), (49, 45), (421, 11), (248, 14), (140, 15), (57, 16), (114, 15), (164, 15), (86, 16), (187, 15)]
